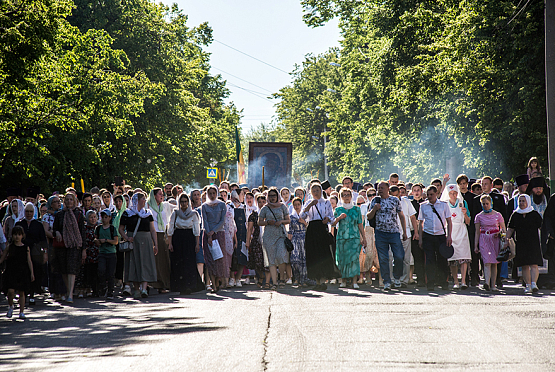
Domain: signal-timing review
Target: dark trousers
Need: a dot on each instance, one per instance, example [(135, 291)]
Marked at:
[(107, 270), (437, 270), (419, 261), (119, 263), (90, 277)]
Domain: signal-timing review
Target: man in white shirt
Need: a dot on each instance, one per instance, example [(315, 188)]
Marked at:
[(161, 213), (410, 220), (432, 233)]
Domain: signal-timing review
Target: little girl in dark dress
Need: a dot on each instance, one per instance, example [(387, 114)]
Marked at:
[(19, 271)]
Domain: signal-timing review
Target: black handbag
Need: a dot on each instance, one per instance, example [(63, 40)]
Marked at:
[(550, 251), (372, 221), (504, 255), (446, 251)]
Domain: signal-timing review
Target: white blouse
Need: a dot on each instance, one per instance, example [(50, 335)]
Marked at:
[(323, 206), (191, 223)]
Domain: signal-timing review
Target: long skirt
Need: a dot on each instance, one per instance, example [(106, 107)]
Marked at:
[(319, 247), (347, 254), (184, 272), (140, 265), (162, 263), (216, 268)]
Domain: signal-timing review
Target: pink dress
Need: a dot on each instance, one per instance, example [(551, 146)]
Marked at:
[(489, 241)]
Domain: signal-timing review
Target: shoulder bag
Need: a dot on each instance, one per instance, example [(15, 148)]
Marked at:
[(128, 246), (288, 242), (447, 251)]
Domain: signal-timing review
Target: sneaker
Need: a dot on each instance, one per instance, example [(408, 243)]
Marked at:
[(456, 286), (110, 296), (247, 281), (127, 290), (464, 286), (355, 286), (144, 294), (535, 288), (137, 295), (69, 300), (396, 283), (343, 285), (22, 316), (289, 282), (528, 290), (238, 284), (387, 287), (231, 282), (31, 301), (63, 298), (10, 312)]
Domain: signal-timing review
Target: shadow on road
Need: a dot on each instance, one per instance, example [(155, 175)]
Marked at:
[(55, 333)]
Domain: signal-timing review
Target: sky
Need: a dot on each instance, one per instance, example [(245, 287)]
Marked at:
[(272, 32)]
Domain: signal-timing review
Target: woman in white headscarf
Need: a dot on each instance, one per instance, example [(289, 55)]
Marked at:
[(15, 213), (184, 244), (526, 222), (350, 238), (318, 244), (140, 264), (460, 217)]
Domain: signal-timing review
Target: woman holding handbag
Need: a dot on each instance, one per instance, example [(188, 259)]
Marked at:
[(137, 227), (69, 242), (213, 220), (274, 216)]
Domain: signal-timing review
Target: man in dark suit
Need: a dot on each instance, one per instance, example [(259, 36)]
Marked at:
[(499, 206)]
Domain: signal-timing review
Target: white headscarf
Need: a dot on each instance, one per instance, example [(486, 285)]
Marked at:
[(529, 208), (447, 190), (346, 206), (110, 206), (20, 210), (143, 213)]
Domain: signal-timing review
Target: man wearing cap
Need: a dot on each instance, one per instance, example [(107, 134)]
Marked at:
[(539, 193), (326, 187)]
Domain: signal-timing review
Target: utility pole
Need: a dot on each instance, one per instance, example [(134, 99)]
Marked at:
[(550, 86)]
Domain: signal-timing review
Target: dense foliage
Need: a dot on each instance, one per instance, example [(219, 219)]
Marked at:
[(95, 90), (421, 84)]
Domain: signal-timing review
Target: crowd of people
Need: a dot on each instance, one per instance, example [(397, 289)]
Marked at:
[(389, 234)]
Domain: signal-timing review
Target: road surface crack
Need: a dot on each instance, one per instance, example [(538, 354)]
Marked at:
[(264, 361)]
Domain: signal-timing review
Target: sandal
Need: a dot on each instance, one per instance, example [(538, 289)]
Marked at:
[(281, 285), (273, 288), (259, 285)]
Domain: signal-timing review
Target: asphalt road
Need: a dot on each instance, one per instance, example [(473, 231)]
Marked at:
[(289, 330)]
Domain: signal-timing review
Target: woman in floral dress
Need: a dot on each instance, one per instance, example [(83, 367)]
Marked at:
[(349, 239)]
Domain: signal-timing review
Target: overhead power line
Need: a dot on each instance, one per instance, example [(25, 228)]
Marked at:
[(256, 59), (237, 77)]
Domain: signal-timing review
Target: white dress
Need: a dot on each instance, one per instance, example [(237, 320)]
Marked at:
[(459, 235)]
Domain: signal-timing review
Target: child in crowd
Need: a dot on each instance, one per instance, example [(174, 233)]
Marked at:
[(106, 239), (19, 271), (534, 169)]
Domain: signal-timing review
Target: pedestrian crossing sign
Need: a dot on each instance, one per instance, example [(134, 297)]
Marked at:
[(212, 173)]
